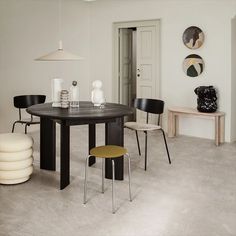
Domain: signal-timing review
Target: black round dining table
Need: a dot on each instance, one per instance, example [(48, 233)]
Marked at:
[(111, 114)]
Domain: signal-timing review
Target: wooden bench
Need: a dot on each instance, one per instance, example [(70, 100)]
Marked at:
[(218, 117)]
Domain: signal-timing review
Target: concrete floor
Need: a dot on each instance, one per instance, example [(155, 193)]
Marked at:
[(195, 196)]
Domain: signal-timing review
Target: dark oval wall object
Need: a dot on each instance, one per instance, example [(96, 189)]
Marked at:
[(193, 37)]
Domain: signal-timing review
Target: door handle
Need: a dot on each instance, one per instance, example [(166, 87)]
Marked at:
[(138, 72)]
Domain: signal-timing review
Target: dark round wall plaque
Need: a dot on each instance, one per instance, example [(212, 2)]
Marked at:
[(193, 65), (193, 37)]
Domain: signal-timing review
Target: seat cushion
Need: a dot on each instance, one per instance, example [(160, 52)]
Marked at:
[(14, 142), (16, 165), (108, 151), (141, 126), (16, 156)]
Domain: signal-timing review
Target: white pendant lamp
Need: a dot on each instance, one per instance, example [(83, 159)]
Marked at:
[(60, 54)]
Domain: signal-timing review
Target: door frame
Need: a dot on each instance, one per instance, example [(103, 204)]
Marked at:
[(125, 38), (115, 64)]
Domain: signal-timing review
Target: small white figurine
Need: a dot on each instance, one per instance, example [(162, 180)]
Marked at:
[(97, 96)]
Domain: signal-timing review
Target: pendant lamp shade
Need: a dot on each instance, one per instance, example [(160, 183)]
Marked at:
[(60, 55)]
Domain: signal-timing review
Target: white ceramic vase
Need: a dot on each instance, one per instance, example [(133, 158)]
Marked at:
[(56, 85)]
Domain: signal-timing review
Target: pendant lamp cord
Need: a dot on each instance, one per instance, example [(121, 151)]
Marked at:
[(59, 23)]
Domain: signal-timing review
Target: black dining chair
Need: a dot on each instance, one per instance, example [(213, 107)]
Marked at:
[(153, 106), (23, 102)]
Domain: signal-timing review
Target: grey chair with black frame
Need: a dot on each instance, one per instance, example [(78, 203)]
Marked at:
[(23, 102), (153, 106)]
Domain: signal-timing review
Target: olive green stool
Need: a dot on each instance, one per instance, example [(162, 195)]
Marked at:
[(111, 152)]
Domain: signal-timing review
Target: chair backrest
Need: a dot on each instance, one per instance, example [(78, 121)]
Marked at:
[(148, 105), (24, 101), (154, 106)]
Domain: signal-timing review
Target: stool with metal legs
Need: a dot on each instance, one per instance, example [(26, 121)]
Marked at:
[(111, 152)]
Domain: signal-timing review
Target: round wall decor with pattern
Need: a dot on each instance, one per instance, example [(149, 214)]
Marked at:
[(193, 65), (193, 37)]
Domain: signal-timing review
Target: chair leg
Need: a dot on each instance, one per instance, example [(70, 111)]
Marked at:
[(113, 180), (129, 173), (26, 128), (167, 150), (103, 176), (145, 167), (139, 150), (13, 126), (85, 179)]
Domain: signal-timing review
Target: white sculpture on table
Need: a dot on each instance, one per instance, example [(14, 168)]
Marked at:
[(56, 92), (97, 96)]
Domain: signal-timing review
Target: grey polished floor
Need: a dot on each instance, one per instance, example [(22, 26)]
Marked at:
[(195, 196)]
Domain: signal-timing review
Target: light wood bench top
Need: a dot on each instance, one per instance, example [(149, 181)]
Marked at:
[(194, 111)]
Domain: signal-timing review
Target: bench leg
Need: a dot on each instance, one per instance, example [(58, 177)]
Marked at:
[(176, 125), (217, 130), (222, 129), (171, 124)]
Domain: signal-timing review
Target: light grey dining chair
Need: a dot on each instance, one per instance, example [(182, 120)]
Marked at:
[(153, 106)]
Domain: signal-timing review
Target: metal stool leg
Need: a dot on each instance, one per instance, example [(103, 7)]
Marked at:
[(13, 126), (113, 180), (129, 173), (145, 166), (103, 176), (85, 179), (139, 150), (167, 150)]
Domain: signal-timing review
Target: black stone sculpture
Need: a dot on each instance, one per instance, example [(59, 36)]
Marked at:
[(206, 101)]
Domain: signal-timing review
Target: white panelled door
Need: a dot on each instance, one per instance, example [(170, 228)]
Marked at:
[(147, 82), (125, 70)]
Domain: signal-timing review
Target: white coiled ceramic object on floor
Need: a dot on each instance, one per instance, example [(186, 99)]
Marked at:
[(16, 158)]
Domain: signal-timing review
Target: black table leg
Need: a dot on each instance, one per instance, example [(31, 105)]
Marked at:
[(115, 136), (92, 142), (47, 144), (65, 155)]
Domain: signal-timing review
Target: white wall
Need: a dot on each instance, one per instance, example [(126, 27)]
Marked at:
[(29, 29), (213, 16), (233, 83)]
